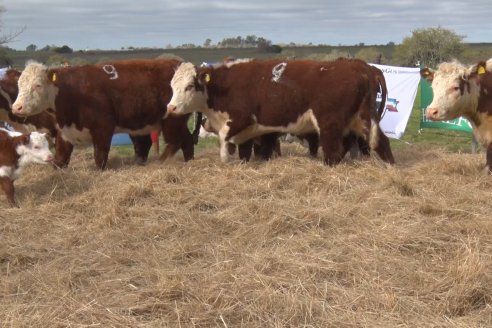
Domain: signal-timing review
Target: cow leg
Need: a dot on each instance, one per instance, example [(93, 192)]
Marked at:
[(187, 145), (7, 186), (231, 148), (141, 146), (313, 143), (268, 144), (177, 136), (102, 144), (349, 142), (244, 150), (363, 146), (332, 144), (383, 148), (63, 152), (489, 158), (226, 148)]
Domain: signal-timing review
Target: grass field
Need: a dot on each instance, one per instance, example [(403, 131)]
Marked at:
[(285, 243)]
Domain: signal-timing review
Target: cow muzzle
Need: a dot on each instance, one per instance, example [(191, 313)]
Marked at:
[(432, 113), (18, 110), (171, 109)]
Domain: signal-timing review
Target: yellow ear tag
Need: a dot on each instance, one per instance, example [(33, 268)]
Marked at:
[(207, 78), (481, 70), (53, 78)]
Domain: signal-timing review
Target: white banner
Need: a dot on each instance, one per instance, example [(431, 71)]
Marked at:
[(402, 83)]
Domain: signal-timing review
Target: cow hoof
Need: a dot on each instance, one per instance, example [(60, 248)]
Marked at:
[(140, 161)]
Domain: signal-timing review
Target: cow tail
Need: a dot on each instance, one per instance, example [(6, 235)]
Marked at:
[(384, 94), (198, 124)]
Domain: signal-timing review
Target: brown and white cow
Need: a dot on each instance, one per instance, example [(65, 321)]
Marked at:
[(459, 90), (17, 150), (246, 100), (42, 122), (92, 102)]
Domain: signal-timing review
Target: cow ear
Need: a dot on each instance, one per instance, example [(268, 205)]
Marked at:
[(479, 69), (204, 77), (52, 76), (427, 74), (25, 139)]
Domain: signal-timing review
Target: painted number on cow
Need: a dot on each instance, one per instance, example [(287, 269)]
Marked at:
[(111, 71), (277, 71)]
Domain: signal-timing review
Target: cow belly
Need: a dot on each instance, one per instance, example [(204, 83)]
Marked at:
[(145, 130), (306, 123), (75, 136)]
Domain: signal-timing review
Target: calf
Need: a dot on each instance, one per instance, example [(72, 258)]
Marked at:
[(17, 150), (92, 102), (246, 100), (459, 90)]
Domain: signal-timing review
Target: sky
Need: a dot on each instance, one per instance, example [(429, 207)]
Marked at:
[(117, 24)]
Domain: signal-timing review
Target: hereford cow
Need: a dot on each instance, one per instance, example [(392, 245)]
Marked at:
[(332, 99), (42, 122), (92, 102), (17, 150), (464, 91)]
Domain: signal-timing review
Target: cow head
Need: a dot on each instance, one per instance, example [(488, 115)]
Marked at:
[(455, 90), (37, 90), (33, 148), (189, 90)]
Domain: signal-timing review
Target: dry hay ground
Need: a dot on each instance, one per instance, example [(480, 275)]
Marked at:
[(288, 243)]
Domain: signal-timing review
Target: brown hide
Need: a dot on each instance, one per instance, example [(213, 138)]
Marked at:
[(96, 98), (484, 102), (9, 158), (337, 92)]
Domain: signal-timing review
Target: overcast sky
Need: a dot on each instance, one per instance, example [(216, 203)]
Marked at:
[(113, 24)]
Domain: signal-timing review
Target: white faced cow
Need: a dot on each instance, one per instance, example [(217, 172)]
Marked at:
[(463, 91), (334, 100)]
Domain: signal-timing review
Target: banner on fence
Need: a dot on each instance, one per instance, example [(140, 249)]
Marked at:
[(402, 84)]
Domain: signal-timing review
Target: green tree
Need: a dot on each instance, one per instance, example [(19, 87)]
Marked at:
[(31, 48), (429, 47), (63, 50)]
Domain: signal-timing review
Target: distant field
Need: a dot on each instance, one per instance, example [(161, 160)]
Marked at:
[(199, 55)]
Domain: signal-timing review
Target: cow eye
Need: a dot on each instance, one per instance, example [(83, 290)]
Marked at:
[(189, 87), (37, 147)]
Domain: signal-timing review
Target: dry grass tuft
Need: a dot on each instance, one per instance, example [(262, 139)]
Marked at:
[(287, 243)]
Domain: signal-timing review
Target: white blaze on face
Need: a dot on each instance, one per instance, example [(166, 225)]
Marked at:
[(35, 151), (186, 98), (36, 92), (452, 95)]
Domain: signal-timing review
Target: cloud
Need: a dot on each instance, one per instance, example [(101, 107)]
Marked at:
[(112, 24)]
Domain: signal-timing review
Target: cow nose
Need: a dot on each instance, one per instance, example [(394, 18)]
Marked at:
[(431, 113), (17, 109), (171, 108)]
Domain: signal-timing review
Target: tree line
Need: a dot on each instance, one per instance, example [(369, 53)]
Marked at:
[(424, 47)]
